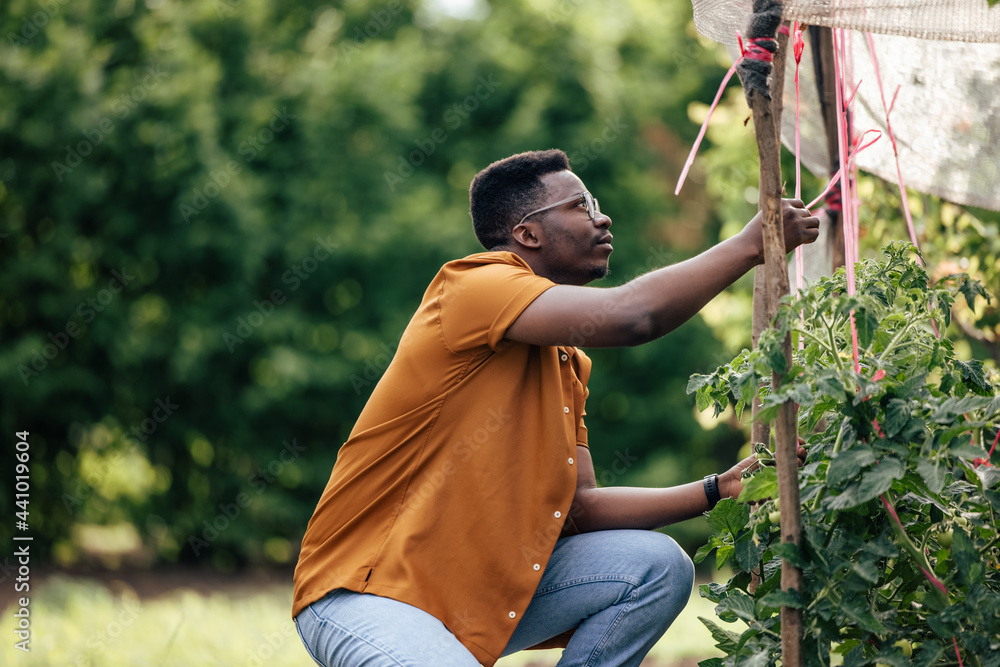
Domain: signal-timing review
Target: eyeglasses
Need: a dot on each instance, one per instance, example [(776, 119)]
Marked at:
[(593, 208)]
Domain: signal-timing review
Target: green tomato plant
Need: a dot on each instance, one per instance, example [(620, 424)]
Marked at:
[(900, 543)]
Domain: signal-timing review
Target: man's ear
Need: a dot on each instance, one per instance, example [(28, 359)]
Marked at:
[(526, 234)]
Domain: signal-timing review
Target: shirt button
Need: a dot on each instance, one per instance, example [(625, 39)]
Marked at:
[(512, 614), (566, 409), (571, 460), (557, 514), (537, 567), (564, 357)]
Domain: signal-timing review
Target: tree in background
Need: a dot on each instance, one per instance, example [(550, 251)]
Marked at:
[(218, 217)]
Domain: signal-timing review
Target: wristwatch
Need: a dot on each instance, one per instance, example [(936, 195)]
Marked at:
[(712, 489)]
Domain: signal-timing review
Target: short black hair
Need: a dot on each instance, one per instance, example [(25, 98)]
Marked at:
[(507, 190)]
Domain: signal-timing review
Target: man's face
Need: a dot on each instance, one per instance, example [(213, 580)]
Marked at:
[(575, 248)]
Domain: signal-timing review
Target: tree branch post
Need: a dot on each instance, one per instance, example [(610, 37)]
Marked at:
[(763, 310), (754, 71), (821, 40)]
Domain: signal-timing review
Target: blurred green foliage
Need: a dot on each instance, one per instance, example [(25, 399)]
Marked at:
[(220, 215)]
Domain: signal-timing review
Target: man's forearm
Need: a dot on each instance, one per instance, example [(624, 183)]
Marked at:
[(670, 296), (622, 507)]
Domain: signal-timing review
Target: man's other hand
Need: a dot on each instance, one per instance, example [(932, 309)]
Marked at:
[(731, 481), (800, 226)]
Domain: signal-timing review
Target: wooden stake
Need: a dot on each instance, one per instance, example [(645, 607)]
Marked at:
[(776, 280), (785, 431), (821, 40), (763, 312)]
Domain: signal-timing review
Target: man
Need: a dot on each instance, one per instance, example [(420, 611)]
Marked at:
[(462, 520)]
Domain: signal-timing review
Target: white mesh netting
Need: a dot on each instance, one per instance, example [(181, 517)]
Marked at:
[(946, 118), (959, 20)]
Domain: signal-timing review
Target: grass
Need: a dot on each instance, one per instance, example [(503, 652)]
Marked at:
[(82, 622)]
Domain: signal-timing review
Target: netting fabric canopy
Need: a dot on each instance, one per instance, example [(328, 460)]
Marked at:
[(944, 58)]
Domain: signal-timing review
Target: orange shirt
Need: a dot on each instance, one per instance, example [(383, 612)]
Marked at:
[(457, 479)]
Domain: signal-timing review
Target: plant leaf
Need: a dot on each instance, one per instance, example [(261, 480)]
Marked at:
[(856, 609), (988, 475), (929, 652), (969, 288), (764, 484), (972, 375), (777, 599), (897, 413), (750, 549), (728, 517), (706, 549), (866, 322), (725, 640), (875, 482), (848, 464), (932, 474), (738, 605), (968, 561), (696, 382)]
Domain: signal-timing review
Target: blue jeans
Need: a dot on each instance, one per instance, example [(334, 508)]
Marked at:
[(620, 589)]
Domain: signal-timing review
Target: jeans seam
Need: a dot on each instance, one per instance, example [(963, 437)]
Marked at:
[(306, 644), (619, 578), (380, 649), (596, 653)]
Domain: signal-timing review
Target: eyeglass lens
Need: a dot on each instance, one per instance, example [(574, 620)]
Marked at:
[(593, 208)]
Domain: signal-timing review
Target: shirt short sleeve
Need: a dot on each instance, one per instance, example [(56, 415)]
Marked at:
[(581, 432), (482, 295)]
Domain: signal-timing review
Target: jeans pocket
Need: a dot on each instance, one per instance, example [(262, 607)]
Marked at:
[(321, 606)]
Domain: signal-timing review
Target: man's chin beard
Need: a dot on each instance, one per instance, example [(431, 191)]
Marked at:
[(597, 273)]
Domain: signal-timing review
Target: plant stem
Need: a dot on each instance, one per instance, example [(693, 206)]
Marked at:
[(833, 344), (899, 336), (918, 557), (819, 341), (993, 522), (836, 450)]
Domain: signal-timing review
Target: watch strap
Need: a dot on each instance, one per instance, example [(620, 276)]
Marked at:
[(712, 489)]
